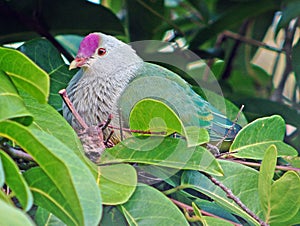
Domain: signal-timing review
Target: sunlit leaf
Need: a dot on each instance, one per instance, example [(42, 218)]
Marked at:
[(25, 74), (12, 216), (160, 210), (160, 151), (12, 105), (155, 116), (16, 182), (53, 157), (117, 183), (252, 141)]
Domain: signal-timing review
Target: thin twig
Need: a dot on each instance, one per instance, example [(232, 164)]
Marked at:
[(250, 41), (255, 164), (231, 128), (190, 209), (136, 131), (66, 99), (14, 152), (230, 195), (233, 52)]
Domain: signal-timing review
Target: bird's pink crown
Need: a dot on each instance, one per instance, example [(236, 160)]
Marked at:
[(88, 45)]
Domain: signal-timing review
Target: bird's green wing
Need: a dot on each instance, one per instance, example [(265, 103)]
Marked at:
[(156, 82)]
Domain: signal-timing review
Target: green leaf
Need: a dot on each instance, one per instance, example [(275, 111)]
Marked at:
[(12, 105), (44, 217), (46, 56), (168, 152), (117, 183), (47, 119), (25, 74), (16, 182), (12, 216), (112, 216), (216, 222), (265, 178), (155, 116), (49, 198), (53, 157), (241, 180), (4, 197), (148, 206), (285, 198), (70, 43), (252, 141)]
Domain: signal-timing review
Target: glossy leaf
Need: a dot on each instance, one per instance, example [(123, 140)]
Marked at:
[(53, 156), (289, 185), (70, 43), (46, 118), (265, 178), (49, 198), (12, 105), (241, 180), (159, 209), (16, 182), (117, 183), (252, 141), (12, 216), (155, 116), (112, 216), (46, 56), (168, 152), (25, 74), (44, 217)]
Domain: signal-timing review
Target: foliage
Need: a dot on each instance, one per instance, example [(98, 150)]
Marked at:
[(153, 179)]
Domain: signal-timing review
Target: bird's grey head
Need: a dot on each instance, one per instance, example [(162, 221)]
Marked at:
[(104, 55)]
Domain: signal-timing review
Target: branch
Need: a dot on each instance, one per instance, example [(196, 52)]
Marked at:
[(235, 199), (15, 152)]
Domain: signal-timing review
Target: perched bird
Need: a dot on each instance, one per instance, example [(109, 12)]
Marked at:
[(109, 68)]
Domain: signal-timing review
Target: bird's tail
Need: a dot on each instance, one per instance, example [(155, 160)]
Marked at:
[(222, 127)]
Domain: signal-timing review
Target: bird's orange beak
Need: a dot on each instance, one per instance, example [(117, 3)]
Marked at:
[(77, 62)]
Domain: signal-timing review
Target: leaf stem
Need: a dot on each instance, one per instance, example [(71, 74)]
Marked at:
[(230, 195), (175, 189), (255, 164), (190, 209)]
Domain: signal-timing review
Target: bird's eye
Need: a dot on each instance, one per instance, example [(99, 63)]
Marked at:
[(101, 51)]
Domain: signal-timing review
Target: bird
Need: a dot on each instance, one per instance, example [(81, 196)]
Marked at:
[(112, 78)]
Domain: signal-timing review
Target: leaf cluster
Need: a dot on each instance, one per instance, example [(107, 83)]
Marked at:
[(47, 179)]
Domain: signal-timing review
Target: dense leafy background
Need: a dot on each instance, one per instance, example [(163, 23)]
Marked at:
[(253, 50)]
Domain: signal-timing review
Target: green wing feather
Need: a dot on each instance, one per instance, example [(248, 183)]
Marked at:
[(156, 82)]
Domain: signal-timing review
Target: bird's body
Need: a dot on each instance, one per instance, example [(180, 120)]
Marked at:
[(110, 67)]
